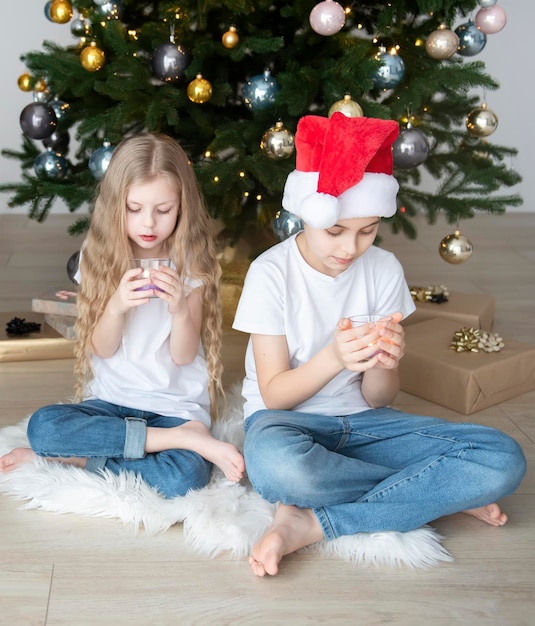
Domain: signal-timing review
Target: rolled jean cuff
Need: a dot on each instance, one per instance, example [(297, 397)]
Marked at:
[(136, 434)]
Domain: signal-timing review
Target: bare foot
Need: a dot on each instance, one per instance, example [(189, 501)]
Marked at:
[(491, 514), (17, 456), (292, 529), (194, 435)]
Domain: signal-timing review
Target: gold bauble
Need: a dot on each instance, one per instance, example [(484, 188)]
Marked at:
[(482, 122), (60, 11), (278, 142), (347, 106), (40, 85), (25, 82), (92, 57), (199, 90), (230, 39), (455, 248), (442, 43)]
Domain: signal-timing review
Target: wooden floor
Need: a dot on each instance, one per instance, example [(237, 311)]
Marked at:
[(69, 570)]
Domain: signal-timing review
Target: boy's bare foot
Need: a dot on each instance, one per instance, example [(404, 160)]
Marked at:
[(194, 435), (17, 456), (490, 514), (292, 529)]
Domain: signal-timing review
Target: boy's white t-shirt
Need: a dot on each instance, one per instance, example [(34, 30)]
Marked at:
[(142, 374), (283, 295)]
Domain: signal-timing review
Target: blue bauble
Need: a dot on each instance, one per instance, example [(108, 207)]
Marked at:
[(61, 109), (111, 10), (50, 165), (259, 92), (47, 11), (100, 159), (286, 224), (391, 71), (169, 61), (471, 39), (38, 120)]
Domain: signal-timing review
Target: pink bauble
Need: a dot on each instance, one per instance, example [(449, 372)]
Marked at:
[(327, 17), (491, 20)]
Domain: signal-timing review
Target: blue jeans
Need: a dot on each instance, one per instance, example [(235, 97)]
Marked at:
[(113, 437), (378, 470)]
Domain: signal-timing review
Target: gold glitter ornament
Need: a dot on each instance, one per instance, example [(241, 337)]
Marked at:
[(230, 39), (25, 82), (199, 90), (347, 106), (61, 11), (455, 248), (92, 57)]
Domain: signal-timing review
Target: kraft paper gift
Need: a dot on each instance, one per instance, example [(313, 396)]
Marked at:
[(463, 381)]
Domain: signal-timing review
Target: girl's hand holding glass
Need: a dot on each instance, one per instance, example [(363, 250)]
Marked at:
[(169, 288)]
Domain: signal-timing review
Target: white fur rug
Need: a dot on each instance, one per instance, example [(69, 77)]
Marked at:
[(222, 517)]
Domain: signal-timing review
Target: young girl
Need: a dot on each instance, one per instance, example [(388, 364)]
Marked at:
[(320, 439), (144, 385)]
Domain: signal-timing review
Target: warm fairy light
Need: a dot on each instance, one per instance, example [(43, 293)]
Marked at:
[(245, 194), (347, 10), (242, 174), (132, 33), (216, 179), (259, 197), (419, 42), (360, 26), (208, 154)]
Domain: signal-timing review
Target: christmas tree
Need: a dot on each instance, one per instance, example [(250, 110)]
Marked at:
[(230, 80)]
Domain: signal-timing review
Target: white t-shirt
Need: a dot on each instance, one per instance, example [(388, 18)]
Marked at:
[(283, 295), (142, 374)]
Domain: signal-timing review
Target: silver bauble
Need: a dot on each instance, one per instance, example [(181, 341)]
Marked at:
[(286, 224), (410, 149)]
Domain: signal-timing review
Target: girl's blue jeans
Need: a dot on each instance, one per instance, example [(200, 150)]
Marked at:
[(378, 470), (113, 437)]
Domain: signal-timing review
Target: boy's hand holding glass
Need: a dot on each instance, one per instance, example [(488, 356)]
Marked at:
[(371, 327)]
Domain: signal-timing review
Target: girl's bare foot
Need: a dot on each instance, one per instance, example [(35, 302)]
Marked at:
[(292, 529), (17, 456), (490, 514), (194, 435)]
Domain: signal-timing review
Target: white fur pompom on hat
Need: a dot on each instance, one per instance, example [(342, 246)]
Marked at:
[(343, 170)]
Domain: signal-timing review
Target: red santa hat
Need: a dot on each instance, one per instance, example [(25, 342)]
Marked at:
[(343, 170)]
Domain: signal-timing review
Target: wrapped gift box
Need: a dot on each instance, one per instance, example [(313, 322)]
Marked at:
[(53, 304), (463, 381), (466, 309), (46, 343)]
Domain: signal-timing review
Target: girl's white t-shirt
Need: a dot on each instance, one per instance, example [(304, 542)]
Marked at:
[(283, 295), (142, 373)]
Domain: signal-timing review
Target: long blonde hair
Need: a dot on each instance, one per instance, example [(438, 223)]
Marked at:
[(107, 251)]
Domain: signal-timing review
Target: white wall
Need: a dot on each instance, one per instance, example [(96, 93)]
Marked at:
[(508, 58)]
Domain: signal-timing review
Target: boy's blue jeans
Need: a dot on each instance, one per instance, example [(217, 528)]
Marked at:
[(113, 437), (378, 470)]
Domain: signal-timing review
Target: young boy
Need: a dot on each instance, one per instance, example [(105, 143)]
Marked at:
[(321, 439)]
